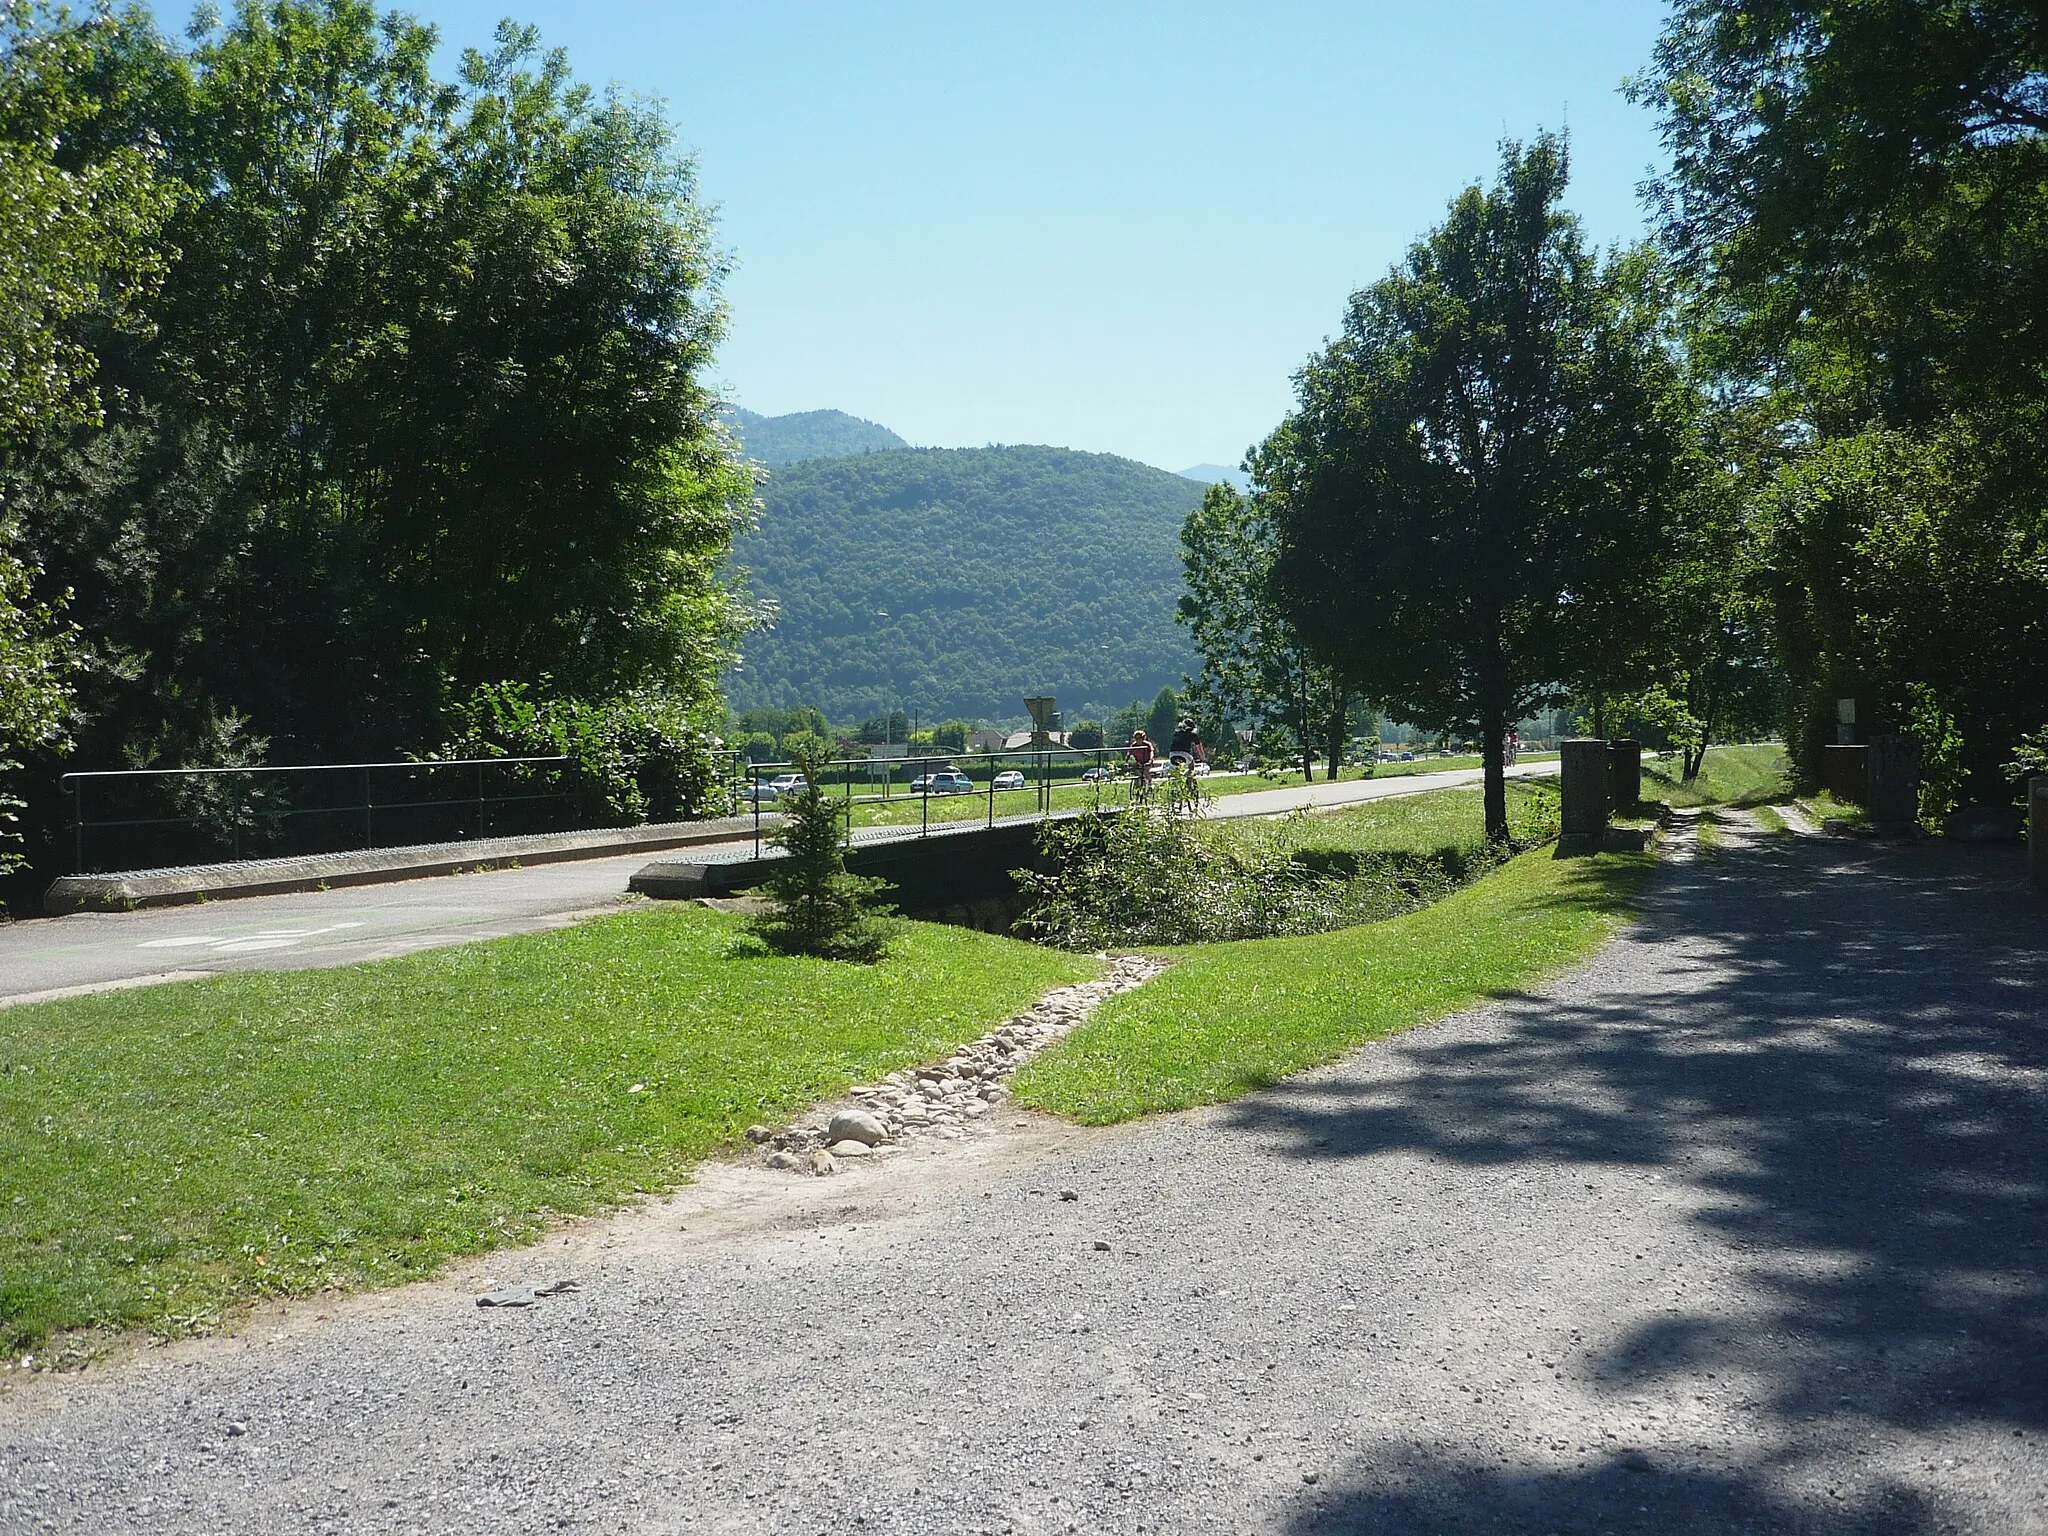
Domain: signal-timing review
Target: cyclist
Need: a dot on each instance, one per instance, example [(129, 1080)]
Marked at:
[(1186, 749), (1141, 752)]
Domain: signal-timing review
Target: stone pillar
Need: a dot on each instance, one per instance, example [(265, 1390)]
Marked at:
[(1891, 780), (2037, 831), (1624, 774), (1584, 769), (1844, 773)]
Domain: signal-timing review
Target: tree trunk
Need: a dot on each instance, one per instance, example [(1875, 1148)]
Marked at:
[(1493, 722), (1304, 731), (1340, 715)]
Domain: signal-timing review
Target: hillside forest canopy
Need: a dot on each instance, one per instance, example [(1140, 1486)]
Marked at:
[(954, 582)]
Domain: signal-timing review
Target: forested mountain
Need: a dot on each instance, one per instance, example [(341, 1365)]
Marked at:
[(774, 440), (956, 581), (1218, 474)]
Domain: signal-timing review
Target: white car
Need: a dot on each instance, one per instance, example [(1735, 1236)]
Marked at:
[(947, 781), (789, 784), (1010, 778)]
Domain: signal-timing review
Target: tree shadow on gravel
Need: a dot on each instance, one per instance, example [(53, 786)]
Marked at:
[(1417, 1492), (1843, 1051)]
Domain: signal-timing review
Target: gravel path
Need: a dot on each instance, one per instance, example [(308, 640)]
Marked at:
[(1739, 1228)]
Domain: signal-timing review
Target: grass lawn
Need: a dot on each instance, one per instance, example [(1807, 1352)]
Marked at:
[(1746, 775), (172, 1150), (1231, 1018), (1441, 821)]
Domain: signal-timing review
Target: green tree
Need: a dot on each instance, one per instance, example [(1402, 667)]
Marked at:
[(1160, 719), (420, 406), (78, 254), (1860, 197), (815, 906), (1256, 668), (1475, 491)]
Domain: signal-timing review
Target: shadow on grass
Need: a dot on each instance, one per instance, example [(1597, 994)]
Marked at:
[(1843, 1053)]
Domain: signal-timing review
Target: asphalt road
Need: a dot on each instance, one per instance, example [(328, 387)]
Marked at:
[(1739, 1228), (93, 950)]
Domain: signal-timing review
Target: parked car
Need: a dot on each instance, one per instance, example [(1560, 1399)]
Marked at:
[(789, 784), (1011, 778), (759, 794), (947, 781), (1094, 775)]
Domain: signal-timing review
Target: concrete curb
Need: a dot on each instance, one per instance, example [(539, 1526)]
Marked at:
[(126, 890)]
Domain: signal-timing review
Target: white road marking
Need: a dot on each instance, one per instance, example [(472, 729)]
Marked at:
[(274, 938)]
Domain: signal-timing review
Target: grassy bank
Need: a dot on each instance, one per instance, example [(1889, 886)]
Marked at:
[(1230, 1018), (1746, 775), (1439, 823), (172, 1150)]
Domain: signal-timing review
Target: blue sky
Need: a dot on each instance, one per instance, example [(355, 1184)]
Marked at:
[(1112, 226)]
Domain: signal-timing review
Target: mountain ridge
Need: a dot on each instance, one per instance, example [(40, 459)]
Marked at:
[(954, 581)]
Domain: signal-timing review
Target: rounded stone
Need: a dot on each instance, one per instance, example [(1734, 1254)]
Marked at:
[(856, 1125)]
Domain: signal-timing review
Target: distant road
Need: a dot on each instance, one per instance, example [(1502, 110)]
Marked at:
[(90, 951)]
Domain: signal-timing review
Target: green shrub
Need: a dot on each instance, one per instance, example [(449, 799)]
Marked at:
[(641, 757), (816, 907), (1153, 875)]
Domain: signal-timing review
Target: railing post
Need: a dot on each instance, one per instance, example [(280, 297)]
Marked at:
[(479, 799), (754, 778), (78, 824), (927, 799), (369, 841)]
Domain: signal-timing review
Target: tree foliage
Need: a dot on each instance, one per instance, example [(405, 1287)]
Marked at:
[(419, 404), (1257, 670), (78, 250), (1859, 195), (1476, 490)]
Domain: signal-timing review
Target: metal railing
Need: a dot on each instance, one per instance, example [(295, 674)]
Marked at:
[(142, 818), (1040, 774)]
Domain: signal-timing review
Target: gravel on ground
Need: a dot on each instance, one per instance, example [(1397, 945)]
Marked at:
[(1739, 1228)]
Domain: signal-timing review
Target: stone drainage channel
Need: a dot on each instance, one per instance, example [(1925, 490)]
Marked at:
[(942, 1100)]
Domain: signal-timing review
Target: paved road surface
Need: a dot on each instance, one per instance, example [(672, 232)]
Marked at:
[(341, 927), (1741, 1228)]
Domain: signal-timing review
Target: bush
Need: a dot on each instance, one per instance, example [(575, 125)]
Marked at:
[(637, 758), (1148, 875)]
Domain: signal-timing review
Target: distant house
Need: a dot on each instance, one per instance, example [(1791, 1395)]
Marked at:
[(1020, 741), (986, 740)]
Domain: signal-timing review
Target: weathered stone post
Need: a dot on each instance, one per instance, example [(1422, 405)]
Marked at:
[(1584, 769), (1891, 783), (2037, 831), (1624, 773)]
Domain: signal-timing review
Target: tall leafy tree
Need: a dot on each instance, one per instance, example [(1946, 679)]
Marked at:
[(1476, 490), (1860, 194), (78, 252), (1256, 668), (421, 408)]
